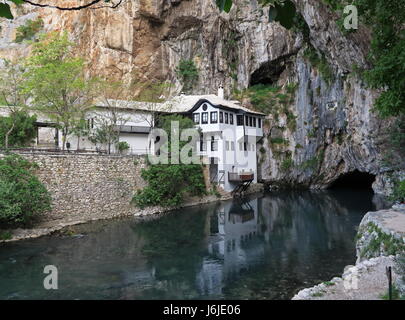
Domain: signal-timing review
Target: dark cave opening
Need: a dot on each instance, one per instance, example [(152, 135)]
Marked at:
[(353, 180), (268, 73)]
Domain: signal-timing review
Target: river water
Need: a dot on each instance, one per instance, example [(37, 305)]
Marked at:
[(263, 247)]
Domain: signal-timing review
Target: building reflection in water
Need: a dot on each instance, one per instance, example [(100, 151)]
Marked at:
[(259, 247)]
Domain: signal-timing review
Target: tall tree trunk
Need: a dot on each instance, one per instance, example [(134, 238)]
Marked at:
[(8, 134), (78, 142), (64, 138)]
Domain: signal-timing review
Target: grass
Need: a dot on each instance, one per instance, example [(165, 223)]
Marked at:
[(395, 294), (329, 283)]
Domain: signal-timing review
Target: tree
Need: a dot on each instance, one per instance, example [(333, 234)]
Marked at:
[(14, 99), (113, 98), (55, 79), (153, 94), (22, 196), (17, 130)]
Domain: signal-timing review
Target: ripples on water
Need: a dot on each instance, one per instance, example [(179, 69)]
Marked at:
[(265, 247)]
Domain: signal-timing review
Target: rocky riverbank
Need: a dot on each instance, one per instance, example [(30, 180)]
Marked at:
[(380, 238)]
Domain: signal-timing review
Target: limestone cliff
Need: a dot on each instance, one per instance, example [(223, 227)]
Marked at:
[(334, 130)]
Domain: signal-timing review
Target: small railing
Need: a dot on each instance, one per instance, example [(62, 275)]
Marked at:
[(240, 177)]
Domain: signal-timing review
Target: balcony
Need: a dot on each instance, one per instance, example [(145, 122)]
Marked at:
[(240, 177)]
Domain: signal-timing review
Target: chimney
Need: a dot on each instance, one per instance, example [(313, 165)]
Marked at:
[(221, 92)]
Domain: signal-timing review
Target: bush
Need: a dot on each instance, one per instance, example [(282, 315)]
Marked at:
[(22, 195), (168, 184), (29, 30), (399, 191), (122, 146), (24, 130), (188, 73)]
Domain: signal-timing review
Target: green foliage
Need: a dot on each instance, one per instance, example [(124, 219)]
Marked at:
[(319, 61), (287, 164), (122, 146), (398, 193), (188, 73), (380, 241), (279, 140), (5, 235), (224, 5), (5, 11), (55, 79), (271, 100), (23, 129), (387, 55), (395, 294), (22, 196), (28, 30), (168, 184), (400, 266)]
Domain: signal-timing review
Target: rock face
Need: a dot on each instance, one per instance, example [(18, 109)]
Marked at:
[(335, 130), (381, 233)]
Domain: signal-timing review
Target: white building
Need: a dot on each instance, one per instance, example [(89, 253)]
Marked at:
[(228, 139)]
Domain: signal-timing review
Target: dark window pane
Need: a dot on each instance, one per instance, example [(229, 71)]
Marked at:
[(214, 117), (204, 117)]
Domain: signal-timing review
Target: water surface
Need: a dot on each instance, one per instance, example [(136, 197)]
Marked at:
[(264, 247)]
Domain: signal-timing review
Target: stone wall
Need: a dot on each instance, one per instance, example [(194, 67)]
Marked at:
[(87, 187)]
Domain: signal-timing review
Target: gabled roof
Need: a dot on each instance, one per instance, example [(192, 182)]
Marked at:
[(179, 104)]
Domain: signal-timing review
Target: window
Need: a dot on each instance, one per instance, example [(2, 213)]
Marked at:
[(226, 118), (239, 120), (259, 122), (232, 146), (205, 107), (214, 144), (196, 118), (204, 118), (254, 121), (251, 121), (245, 146), (230, 118), (246, 120), (214, 117), (221, 117)]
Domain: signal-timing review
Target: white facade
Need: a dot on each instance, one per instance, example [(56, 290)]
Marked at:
[(229, 141)]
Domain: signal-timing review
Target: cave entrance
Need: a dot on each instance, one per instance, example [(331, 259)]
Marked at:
[(354, 180), (268, 73)]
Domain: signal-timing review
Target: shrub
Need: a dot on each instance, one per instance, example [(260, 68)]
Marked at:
[(398, 193), (22, 196), (24, 130), (122, 146), (188, 73), (29, 30), (169, 183)]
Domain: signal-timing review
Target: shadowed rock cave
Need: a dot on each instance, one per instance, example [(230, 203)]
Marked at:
[(354, 180), (268, 73)]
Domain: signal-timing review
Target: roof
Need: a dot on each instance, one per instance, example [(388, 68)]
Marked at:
[(179, 104)]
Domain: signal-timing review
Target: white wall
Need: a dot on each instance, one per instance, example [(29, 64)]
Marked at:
[(236, 160)]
